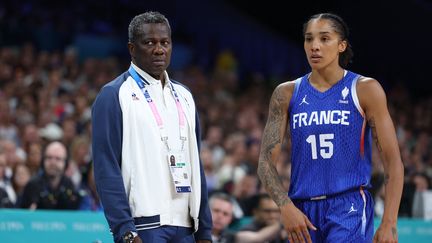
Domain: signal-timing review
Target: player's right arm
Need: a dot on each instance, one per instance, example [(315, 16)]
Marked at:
[(294, 221)]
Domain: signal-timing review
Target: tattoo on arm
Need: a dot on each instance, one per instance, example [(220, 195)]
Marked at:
[(386, 178), (272, 139), (374, 133), (394, 232)]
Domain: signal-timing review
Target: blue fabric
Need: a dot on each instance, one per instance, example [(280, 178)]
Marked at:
[(107, 130), (331, 152), (339, 219)]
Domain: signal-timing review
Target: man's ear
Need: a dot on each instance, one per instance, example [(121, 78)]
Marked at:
[(131, 48)]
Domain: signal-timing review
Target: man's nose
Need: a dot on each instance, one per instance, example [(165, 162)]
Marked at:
[(159, 49)]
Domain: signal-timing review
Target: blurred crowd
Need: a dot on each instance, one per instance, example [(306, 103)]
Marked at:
[(47, 96)]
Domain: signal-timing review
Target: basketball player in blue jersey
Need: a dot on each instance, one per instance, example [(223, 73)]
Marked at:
[(333, 115)]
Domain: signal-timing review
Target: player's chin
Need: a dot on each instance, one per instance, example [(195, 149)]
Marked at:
[(315, 62)]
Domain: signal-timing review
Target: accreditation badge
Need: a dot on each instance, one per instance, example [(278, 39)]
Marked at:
[(179, 172)]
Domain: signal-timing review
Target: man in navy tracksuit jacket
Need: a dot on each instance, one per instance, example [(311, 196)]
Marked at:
[(145, 143)]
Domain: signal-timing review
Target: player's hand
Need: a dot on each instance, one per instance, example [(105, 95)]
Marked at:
[(296, 224), (386, 233)]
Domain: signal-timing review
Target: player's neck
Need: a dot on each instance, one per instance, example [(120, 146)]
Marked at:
[(326, 76)]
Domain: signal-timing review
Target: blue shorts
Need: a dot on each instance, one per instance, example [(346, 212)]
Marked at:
[(347, 217)]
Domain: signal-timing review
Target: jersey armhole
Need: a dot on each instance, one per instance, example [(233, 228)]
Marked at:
[(355, 96), (297, 83)]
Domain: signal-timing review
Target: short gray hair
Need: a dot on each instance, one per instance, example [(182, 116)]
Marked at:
[(150, 17)]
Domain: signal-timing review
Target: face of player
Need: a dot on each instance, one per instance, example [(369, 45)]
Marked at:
[(322, 44), (152, 50), (222, 213)]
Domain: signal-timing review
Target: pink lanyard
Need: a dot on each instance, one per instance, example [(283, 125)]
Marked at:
[(164, 136)]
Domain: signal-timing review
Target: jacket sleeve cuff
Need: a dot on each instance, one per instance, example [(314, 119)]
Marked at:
[(122, 230), (202, 234)]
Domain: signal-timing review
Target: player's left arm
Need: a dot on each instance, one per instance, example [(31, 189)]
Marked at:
[(374, 103)]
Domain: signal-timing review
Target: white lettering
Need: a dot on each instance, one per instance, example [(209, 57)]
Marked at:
[(335, 119), (324, 117), (303, 117), (295, 120), (90, 227), (313, 118), (11, 226), (48, 226), (328, 117), (344, 119)]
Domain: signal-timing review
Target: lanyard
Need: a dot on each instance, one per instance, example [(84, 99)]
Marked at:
[(164, 136)]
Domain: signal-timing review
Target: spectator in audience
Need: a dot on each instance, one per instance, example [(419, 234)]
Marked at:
[(5, 201), (245, 191), (79, 160), (51, 189), (207, 162), (90, 198), (34, 155), (266, 213), (8, 130), (5, 180), (233, 168), (213, 141), (13, 153), (20, 177), (421, 181), (222, 209)]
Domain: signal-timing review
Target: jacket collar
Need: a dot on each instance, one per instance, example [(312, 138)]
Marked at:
[(147, 77)]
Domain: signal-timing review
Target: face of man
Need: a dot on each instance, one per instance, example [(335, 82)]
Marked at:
[(268, 212), (152, 50), (55, 160), (222, 213)]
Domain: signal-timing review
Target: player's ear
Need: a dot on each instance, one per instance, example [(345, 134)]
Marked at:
[(342, 46)]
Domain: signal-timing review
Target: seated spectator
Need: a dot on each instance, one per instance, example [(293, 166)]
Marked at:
[(421, 181), (34, 155), (222, 207), (20, 177), (51, 189), (245, 192), (90, 198), (5, 182), (266, 213), (5, 202)]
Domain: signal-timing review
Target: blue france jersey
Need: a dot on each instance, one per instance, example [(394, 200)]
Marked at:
[(331, 142)]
